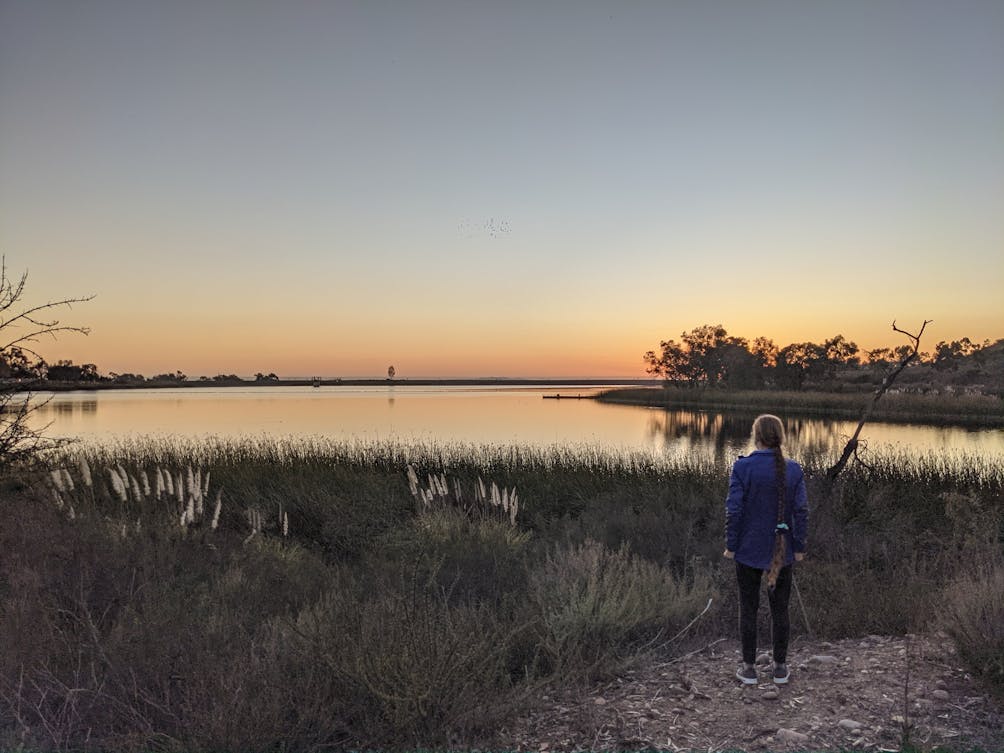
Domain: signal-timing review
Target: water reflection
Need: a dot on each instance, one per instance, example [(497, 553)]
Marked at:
[(718, 434), (65, 408), (474, 415)]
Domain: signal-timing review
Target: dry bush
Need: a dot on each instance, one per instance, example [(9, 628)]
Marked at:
[(155, 640), (424, 670), (482, 560), (974, 617), (597, 606)]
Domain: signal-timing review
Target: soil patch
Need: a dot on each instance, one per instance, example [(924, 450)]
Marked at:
[(845, 695)]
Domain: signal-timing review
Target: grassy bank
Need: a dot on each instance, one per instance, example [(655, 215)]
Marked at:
[(267, 595), (963, 410)]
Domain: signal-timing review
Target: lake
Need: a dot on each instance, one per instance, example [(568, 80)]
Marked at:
[(478, 415)]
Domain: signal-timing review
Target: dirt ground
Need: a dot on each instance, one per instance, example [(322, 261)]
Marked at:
[(858, 694)]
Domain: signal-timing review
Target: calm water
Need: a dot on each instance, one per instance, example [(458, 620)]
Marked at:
[(489, 415)]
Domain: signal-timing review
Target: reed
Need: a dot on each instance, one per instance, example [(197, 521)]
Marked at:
[(966, 410)]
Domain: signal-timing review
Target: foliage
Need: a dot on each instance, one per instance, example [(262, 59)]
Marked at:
[(707, 356), (595, 603), (974, 617), (961, 409)]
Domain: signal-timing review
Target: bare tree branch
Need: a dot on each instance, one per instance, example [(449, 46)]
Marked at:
[(852, 444), (21, 325)]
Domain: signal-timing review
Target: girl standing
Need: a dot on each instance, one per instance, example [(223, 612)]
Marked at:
[(766, 516)]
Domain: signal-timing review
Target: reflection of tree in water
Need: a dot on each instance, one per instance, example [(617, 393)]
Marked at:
[(64, 408), (687, 431), (726, 435), (815, 437)]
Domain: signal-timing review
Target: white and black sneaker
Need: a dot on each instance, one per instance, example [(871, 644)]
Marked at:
[(781, 674), (746, 674)]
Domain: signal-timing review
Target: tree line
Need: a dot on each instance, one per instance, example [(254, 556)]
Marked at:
[(707, 356), (15, 364)]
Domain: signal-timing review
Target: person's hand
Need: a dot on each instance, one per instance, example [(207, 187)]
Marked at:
[(729, 555), (799, 556)]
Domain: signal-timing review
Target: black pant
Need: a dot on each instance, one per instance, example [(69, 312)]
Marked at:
[(749, 603)]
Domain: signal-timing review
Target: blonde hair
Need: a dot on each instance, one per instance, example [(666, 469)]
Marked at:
[(768, 432)]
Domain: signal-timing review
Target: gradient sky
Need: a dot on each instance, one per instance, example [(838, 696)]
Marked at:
[(498, 188)]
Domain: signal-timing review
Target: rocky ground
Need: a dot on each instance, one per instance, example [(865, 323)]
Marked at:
[(866, 694)]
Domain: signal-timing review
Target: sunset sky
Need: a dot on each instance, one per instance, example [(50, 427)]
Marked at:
[(498, 188)]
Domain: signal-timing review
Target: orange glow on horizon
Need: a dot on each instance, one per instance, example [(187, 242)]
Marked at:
[(117, 347)]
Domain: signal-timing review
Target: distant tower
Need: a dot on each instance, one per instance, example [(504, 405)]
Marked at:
[(390, 372)]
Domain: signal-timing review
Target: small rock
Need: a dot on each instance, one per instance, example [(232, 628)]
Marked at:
[(601, 701), (791, 736), (822, 659), (940, 694), (764, 658), (849, 724), (941, 685), (770, 694)]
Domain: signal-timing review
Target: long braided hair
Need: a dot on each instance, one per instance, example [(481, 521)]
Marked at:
[(768, 432)]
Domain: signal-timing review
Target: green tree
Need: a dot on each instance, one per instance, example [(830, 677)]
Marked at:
[(948, 356), (671, 363), (797, 362), (707, 356), (67, 371)]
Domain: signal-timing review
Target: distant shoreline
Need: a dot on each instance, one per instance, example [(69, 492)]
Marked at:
[(199, 384), (978, 411)]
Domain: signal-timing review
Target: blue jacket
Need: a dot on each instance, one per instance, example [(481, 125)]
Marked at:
[(751, 510)]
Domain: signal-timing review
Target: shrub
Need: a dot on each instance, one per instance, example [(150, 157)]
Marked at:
[(422, 670), (597, 606), (482, 560), (974, 617)]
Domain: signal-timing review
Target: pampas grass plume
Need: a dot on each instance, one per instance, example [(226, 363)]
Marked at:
[(216, 512), (85, 472), (117, 486)]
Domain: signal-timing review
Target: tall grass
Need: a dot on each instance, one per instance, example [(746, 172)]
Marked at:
[(967, 410), (349, 595)]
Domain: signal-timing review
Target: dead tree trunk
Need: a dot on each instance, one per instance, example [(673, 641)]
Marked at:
[(850, 449)]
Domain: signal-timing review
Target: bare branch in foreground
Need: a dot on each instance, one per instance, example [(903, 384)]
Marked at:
[(21, 326), (852, 444)]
